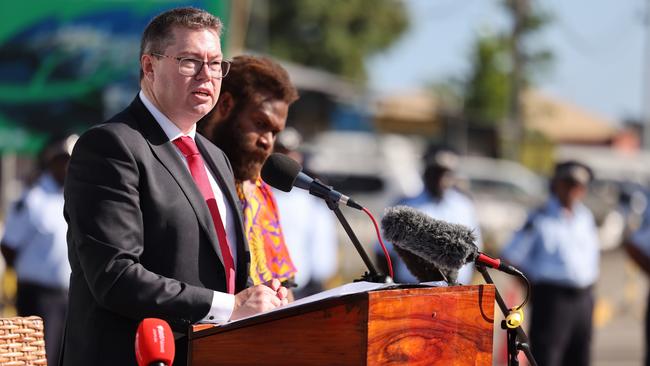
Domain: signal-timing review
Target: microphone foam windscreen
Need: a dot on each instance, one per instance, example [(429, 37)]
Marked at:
[(421, 269), (447, 246), (280, 171)]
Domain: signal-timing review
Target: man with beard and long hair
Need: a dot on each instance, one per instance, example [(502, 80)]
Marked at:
[(252, 109)]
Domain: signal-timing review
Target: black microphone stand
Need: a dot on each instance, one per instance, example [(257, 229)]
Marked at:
[(517, 338), (372, 275)]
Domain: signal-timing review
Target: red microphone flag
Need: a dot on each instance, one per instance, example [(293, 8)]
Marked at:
[(154, 343)]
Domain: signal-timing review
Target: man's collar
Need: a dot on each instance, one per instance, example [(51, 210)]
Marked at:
[(555, 206), (171, 130)]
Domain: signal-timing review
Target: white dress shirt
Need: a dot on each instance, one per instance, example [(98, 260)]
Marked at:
[(222, 303)]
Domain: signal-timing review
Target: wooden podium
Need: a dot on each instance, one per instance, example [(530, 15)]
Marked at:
[(415, 326)]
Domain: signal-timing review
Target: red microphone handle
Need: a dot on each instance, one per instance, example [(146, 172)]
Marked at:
[(488, 261), (496, 264)]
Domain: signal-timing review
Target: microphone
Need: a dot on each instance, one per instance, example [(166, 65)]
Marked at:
[(423, 270), (283, 173), (154, 343), (445, 245)]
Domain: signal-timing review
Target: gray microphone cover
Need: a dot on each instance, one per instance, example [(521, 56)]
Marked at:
[(446, 246)]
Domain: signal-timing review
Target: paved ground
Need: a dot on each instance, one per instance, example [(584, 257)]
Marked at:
[(622, 291)]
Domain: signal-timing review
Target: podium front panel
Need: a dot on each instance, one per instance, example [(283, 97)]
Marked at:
[(411, 326), (441, 326)]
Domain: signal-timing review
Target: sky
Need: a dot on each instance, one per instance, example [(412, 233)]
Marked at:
[(598, 48)]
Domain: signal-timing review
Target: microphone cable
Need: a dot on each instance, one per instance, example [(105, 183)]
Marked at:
[(381, 242), (516, 315)]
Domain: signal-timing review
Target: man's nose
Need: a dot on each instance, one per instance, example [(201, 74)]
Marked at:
[(266, 140), (204, 72)]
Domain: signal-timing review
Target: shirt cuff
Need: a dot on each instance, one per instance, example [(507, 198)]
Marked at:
[(221, 309)]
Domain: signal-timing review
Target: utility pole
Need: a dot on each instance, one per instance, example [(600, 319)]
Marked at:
[(514, 127), (645, 97)]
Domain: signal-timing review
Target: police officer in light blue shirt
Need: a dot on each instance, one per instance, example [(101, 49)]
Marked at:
[(440, 200), (638, 248), (34, 243), (558, 250)]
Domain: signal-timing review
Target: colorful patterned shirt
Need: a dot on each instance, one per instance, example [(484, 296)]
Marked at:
[(269, 254)]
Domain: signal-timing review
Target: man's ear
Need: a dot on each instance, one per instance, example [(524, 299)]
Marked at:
[(147, 66), (225, 105)]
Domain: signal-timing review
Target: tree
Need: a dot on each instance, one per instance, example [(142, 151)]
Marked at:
[(526, 23), (336, 35), (487, 89), (503, 66)]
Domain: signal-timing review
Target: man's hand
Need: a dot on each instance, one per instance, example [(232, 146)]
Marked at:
[(281, 291), (259, 299)]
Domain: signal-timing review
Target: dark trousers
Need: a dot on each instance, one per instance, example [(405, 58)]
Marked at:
[(50, 304), (561, 325), (647, 332)]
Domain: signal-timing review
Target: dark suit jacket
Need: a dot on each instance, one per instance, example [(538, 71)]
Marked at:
[(141, 241)]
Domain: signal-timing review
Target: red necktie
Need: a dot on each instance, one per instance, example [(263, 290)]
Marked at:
[(188, 148)]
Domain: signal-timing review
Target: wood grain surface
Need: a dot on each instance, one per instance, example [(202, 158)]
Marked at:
[(416, 326)]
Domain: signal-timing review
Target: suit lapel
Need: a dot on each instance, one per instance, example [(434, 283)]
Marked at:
[(166, 153)]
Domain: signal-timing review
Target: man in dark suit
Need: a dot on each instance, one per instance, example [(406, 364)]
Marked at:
[(155, 228)]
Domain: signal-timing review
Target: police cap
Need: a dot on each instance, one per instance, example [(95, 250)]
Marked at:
[(574, 171)]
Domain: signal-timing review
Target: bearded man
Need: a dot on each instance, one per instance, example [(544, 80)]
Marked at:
[(252, 109)]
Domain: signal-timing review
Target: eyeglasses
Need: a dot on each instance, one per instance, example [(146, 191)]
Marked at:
[(191, 67)]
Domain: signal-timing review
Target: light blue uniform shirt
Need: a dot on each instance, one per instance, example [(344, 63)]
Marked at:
[(557, 247), (453, 207), (36, 229)]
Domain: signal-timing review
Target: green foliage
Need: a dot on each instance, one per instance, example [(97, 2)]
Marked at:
[(487, 89), (537, 58), (334, 35)]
